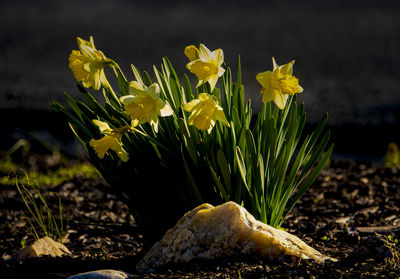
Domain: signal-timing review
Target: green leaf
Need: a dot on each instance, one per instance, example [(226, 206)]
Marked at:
[(242, 167), (175, 86), (188, 140), (72, 103), (116, 117), (219, 185), (165, 90), (251, 145), (86, 111), (261, 175), (239, 73), (76, 134), (225, 170), (112, 98), (122, 82), (193, 185), (93, 104), (227, 89), (136, 74), (236, 118), (188, 96), (310, 180), (317, 132), (72, 119), (146, 79)]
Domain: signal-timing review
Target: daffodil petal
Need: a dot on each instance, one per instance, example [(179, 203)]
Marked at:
[(220, 115), (279, 98), (154, 124), (221, 71), (264, 79), (153, 89), (103, 126), (122, 154), (87, 48), (96, 84), (204, 53), (191, 118), (211, 127), (76, 61), (202, 70), (91, 40), (134, 123), (267, 95), (136, 87), (189, 106), (218, 56), (88, 67), (82, 44), (287, 69), (200, 82), (126, 100), (101, 146), (191, 52), (212, 81), (102, 76), (274, 64), (204, 96), (166, 111)]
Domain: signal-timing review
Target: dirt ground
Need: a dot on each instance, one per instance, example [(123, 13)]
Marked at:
[(351, 213)]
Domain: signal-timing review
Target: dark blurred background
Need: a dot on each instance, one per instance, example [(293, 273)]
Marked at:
[(347, 56)]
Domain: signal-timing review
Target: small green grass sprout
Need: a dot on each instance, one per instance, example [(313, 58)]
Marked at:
[(41, 219)]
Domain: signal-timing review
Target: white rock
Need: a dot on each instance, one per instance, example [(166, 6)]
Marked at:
[(45, 246), (209, 232), (101, 274)]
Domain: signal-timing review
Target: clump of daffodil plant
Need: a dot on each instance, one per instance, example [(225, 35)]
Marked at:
[(165, 147)]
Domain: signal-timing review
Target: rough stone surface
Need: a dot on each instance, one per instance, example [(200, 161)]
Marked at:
[(45, 246), (102, 274), (209, 232)]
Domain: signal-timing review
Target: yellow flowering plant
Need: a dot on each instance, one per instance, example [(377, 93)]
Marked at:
[(279, 84), (204, 112), (87, 64), (205, 64), (165, 147), (110, 140)]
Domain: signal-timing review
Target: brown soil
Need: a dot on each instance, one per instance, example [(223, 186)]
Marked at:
[(349, 214)]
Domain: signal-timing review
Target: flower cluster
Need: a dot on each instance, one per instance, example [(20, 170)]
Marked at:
[(204, 142), (144, 104)]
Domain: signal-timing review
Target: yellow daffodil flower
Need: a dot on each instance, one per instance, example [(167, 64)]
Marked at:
[(205, 112), (278, 84), (111, 140), (87, 64), (205, 64), (144, 104)]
